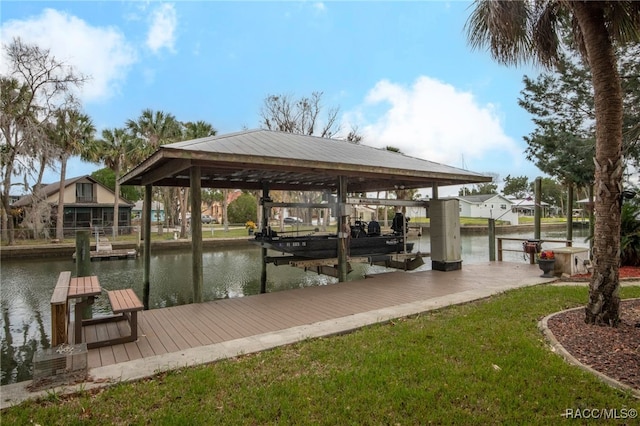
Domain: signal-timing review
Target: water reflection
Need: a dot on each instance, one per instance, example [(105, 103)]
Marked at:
[(27, 286)]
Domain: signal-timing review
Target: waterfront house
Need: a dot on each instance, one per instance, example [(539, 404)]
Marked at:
[(490, 206), (527, 207), (157, 211), (87, 204)]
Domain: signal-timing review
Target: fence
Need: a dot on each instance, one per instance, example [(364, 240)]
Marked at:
[(49, 234)]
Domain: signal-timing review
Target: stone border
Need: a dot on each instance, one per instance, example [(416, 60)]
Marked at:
[(559, 349)]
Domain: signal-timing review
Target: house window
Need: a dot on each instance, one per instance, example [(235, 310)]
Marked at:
[(84, 193), (503, 206)]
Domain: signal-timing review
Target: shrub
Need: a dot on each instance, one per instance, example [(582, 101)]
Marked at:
[(630, 234)]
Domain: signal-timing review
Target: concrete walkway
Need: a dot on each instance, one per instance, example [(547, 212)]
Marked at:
[(473, 282)]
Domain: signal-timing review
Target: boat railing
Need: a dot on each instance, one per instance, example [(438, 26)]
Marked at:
[(532, 259)]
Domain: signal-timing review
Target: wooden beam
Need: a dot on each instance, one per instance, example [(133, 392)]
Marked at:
[(343, 230), (270, 204), (196, 235), (146, 229), (386, 202), (168, 169)]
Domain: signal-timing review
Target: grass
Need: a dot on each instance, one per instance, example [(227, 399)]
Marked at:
[(218, 232), (530, 219), (479, 363)]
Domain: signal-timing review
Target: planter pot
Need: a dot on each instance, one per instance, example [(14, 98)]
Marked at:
[(547, 266), (250, 230)]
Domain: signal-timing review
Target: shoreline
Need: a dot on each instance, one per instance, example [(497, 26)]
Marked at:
[(36, 251), (67, 249)]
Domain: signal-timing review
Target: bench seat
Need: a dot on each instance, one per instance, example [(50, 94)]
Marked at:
[(124, 301)]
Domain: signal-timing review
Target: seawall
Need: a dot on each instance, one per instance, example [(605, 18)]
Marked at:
[(67, 249)]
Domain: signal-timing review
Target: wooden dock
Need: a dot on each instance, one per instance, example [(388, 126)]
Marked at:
[(180, 328), (111, 254)]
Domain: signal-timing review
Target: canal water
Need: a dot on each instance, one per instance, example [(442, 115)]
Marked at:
[(27, 285)]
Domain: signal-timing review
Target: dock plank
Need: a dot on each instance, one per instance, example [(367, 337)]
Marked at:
[(148, 340), (177, 328)]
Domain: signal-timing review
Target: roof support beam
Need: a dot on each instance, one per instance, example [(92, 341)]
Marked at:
[(196, 233), (384, 202), (343, 230), (166, 170)]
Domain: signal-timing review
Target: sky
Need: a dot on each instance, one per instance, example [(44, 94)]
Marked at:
[(402, 73)]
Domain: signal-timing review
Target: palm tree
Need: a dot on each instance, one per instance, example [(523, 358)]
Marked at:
[(516, 31), (71, 130), (155, 129), (198, 129), (118, 150)]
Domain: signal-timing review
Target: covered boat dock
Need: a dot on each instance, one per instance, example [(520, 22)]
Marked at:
[(266, 160)]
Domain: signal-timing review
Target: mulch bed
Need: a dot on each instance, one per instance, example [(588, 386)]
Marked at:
[(614, 352), (625, 272)]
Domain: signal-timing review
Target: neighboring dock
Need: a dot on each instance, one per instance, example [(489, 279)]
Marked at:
[(104, 251)]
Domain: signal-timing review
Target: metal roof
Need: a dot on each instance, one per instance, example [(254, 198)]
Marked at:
[(286, 161)]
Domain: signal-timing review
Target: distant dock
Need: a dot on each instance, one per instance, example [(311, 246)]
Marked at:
[(104, 251)]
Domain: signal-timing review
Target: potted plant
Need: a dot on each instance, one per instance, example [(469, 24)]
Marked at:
[(547, 263), (251, 226)]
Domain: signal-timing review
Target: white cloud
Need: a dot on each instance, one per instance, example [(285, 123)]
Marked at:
[(101, 53), (320, 6), (162, 29), (434, 121)]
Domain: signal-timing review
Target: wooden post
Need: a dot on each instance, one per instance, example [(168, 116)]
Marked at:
[(83, 265), (499, 249), (146, 227), (196, 233), (83, 253), (343, 230), (570, 211), (492, 240), (266, 213), (536, 209)]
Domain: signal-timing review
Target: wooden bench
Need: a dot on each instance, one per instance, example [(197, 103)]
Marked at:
[(125, 305), (60, 310)]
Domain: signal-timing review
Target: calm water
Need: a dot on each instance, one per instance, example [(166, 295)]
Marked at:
[(27, 286)]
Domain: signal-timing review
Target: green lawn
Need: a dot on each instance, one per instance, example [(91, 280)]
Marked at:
[(479, 363)]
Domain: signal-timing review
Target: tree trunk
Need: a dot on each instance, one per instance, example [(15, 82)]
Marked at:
[(225, 204), (60, 218), (39, 198), (116, 204), (7, 218), (604, 299), (184, 194)]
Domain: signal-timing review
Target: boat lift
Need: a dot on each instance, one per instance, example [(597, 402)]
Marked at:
[(403, 261)]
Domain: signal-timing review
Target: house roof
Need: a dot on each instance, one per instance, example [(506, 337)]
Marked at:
[(255, 158), (527, 202), (53, 188), (481, 198)]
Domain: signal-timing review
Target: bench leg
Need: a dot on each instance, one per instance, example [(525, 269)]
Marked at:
[(79, 309), (133, 322), (132, 319)]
